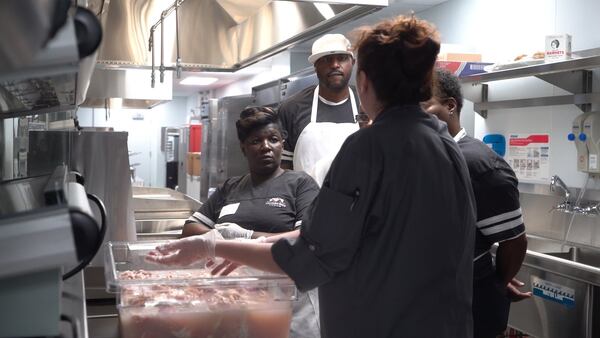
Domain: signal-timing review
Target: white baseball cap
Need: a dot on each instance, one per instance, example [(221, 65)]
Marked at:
[(329, 44)]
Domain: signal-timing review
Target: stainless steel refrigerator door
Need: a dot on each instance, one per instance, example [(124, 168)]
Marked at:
[(184, 137), (224, 156)]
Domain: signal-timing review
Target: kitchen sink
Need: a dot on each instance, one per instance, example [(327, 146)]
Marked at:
[(579, 255), (160, 213), (565, 280), (159, 229), (565, 250), (158, 225)]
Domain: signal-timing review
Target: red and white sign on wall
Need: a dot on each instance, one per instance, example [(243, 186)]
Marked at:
[(529, 156)]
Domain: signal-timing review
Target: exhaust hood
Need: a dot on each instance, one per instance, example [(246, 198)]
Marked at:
[(127, 88), (208, 35), (214, 35)]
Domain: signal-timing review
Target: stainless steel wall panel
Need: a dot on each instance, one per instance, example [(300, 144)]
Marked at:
[(541, 219), (102, 158)]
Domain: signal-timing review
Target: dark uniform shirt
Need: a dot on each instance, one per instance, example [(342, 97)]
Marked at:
[(498, 219), (294, 114), (389, 239), (276, 205), (497, 198)]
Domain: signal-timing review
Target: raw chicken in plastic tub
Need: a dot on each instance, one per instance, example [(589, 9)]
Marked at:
[(157, 301)]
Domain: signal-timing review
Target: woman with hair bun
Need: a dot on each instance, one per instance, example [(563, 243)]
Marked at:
[(389, 239), (266, 201)]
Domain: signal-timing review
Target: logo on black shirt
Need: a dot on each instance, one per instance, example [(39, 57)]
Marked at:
[(276, 202)]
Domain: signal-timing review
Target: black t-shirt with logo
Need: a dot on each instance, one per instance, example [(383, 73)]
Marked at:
[(276, 205), (496, 189), (294, 114)]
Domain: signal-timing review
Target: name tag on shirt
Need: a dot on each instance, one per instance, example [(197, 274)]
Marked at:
[(229, 209)]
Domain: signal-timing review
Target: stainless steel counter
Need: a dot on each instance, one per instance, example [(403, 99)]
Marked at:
[(160, 212), (102, 315), (74, 314)]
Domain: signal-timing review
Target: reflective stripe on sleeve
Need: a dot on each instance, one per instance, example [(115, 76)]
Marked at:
[(498, 218), (198, 217)]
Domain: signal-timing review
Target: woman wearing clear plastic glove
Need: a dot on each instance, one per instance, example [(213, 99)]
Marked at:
[(268, 200), (265, 202), (389, 239)]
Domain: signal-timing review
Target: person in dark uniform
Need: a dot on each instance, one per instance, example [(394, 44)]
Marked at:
[(319, 118), (267, 201), (389, 239), (499, 218)]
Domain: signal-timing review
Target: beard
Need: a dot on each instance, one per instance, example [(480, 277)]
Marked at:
[(335, 83)]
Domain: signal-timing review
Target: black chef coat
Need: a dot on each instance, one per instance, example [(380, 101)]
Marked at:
[(389, 239)]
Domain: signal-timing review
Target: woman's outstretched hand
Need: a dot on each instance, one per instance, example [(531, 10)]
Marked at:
[(185, 251)]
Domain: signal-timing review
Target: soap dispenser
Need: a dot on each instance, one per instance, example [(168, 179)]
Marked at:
[(579, 137), (591, 132)]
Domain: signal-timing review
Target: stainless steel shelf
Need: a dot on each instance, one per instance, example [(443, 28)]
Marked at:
[(581, 63), (573, 76), (577, 99)]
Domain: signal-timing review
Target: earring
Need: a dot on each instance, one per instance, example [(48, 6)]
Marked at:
[(451, 112)]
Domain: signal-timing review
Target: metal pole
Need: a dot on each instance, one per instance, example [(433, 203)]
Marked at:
[(162, 47), (2, 142), (178, 61), (151, 48), (160, 22)]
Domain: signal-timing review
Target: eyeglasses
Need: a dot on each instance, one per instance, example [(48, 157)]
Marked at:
[(361, 117)]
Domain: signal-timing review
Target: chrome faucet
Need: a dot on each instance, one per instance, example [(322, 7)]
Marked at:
[(556, 182), (588, 208), (592, 209)]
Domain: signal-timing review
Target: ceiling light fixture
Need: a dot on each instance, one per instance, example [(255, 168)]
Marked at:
[(198, 81), (325, 10)]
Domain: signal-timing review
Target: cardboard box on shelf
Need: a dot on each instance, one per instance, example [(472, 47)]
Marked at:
[(190, 163), (462, 69), (558, 47), (461, 57), (196, 164)]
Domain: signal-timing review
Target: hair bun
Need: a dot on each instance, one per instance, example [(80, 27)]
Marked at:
[(255, 117), (398, 56), (420, 58)]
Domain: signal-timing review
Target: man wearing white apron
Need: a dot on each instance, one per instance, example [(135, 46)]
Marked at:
[(317, 121)]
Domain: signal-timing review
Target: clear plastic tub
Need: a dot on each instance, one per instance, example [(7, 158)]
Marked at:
[(160, 301)]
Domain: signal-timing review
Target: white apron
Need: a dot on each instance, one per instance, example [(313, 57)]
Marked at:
[(319, 143), (315, 149)]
